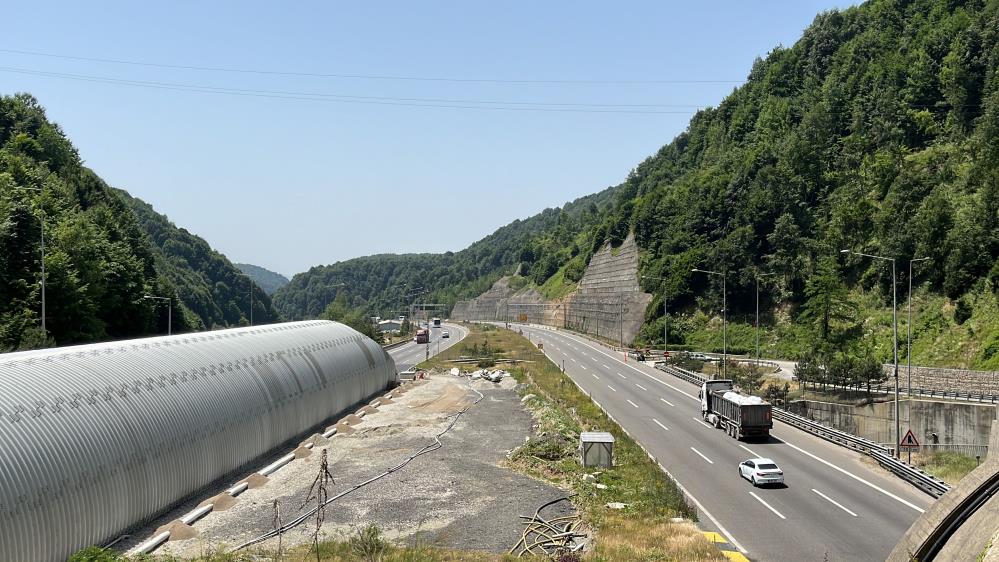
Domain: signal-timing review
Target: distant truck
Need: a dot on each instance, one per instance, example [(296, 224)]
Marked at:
[(422, 336), (738, 414), (437, 322)]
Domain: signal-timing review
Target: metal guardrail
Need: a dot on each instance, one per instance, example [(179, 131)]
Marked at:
[(921, 392), (925, 482)]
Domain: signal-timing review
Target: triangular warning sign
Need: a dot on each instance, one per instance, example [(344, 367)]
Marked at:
[(909, 440)]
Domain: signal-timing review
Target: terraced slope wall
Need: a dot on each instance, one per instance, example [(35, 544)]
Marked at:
[(608, 302)]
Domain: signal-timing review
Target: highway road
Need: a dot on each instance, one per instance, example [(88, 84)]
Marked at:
[(410, 354), (835, 505)]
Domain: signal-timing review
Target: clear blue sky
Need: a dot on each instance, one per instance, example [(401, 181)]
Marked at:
[(291, 183)]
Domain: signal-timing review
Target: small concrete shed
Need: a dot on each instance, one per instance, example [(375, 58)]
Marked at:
[(596, 448)]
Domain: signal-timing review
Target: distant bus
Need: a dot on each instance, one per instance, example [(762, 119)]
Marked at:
[(437, 322), (422, 336)]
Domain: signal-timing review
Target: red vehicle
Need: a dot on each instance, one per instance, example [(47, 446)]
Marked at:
[(423, 336)]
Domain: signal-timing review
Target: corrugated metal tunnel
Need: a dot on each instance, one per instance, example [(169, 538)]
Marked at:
[(97, 438)]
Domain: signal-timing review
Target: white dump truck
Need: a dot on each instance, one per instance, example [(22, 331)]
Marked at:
[(738, 414)]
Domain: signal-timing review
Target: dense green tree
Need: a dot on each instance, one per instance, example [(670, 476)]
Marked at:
[(827, 301)]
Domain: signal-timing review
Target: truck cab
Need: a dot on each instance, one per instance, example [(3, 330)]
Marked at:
[(707, 387)]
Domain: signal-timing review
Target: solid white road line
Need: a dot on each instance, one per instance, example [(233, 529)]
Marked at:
[(689, 395), (702, 455), (834, 502), (857, 478), (750, 450), (770, 507), (642, 387), (612, 388), (632, 403), (668, 402), (693, 498), (659, 424)]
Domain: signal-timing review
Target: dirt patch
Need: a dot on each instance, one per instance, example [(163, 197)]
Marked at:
[(459, 496)]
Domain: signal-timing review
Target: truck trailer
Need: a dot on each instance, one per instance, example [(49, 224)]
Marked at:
[(422, 336), (741, 416)]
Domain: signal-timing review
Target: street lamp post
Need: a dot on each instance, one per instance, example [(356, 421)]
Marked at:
[(724, 317), (665, 339), (894, 318), (41, 224), (758, 275), (169, 311), (908, 335)]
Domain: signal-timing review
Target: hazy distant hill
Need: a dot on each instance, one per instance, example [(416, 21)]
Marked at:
[(268, 280)]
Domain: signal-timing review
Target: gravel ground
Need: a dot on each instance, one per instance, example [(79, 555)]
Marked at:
[(456, 497)]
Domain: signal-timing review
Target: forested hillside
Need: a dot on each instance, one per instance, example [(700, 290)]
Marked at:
[(266, 279), (384, 283), (213, 290), (99, 262), (877, 132)]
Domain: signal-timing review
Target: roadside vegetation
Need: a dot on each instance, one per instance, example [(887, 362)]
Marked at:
[(948, 466), (655, 522)]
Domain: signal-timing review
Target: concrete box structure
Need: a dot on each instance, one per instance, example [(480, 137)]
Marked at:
[(596, 449)]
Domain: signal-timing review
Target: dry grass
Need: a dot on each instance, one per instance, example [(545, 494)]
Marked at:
[(642, 531), (628, 538)]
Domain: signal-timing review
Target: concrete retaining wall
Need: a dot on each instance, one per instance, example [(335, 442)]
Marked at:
[(931, 421)]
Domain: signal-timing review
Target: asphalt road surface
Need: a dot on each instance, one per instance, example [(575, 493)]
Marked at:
[(835, 505), (410, 354)]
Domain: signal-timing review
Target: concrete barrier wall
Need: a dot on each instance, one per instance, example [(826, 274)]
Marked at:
[(950, 422)]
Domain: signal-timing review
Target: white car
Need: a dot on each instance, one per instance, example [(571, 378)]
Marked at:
[(445, 334), (761, 472)]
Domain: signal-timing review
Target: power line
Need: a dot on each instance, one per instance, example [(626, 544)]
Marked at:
[(355, 76), (374, 100)]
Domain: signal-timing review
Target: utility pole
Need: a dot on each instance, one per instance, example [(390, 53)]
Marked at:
[(665, 338), (758, 275), (724, 277), (908, 337), (894, 317), (169, 311)]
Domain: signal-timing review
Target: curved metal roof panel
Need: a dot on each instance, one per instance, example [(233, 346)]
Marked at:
[(96, 438)]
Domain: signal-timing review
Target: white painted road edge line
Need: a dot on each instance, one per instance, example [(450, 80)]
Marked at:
[(659, 424), (834, 502), (750, 450), (700, 506), (702, 455), (857, 478), (632, 403), (770, 507), (632, 367), (642, 387), (668, 402), (827, 463)]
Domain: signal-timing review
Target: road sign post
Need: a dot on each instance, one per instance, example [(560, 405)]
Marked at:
[(908, 444)]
